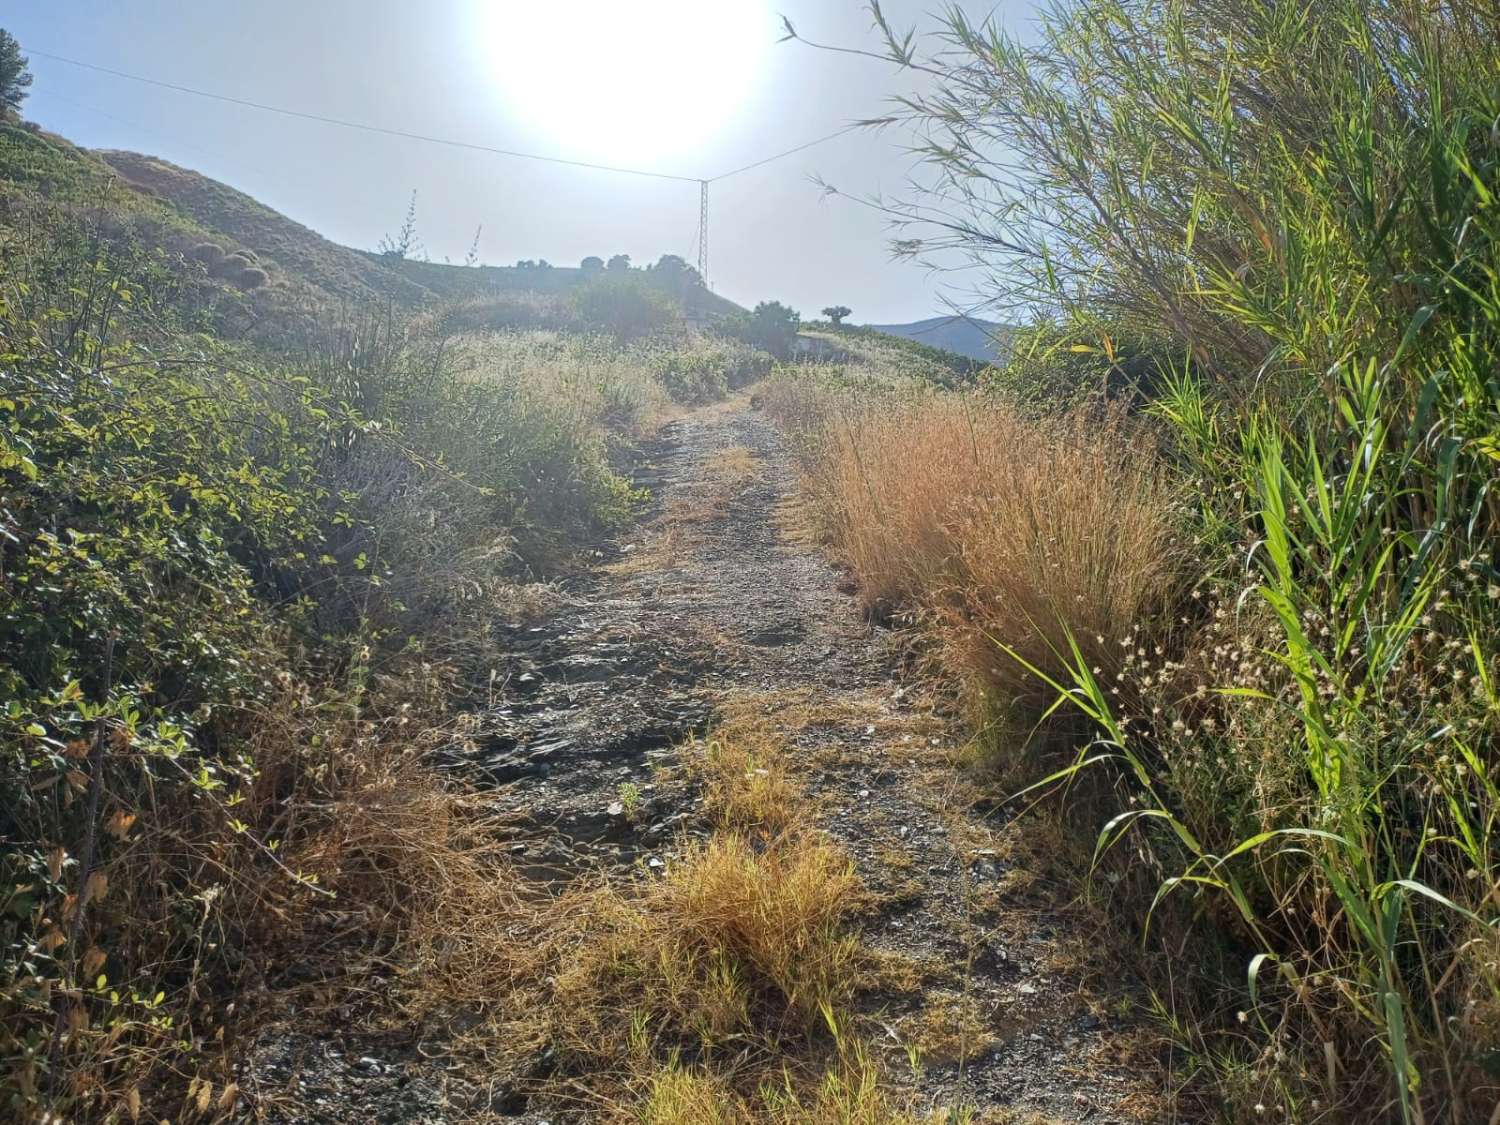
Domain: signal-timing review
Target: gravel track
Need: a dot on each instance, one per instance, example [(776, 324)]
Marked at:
[(716, 605)]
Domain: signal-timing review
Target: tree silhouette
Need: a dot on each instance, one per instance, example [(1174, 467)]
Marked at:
[(15, 76), (592, 264), (836, 313), (773, 328), (671, 274), (620, 262)]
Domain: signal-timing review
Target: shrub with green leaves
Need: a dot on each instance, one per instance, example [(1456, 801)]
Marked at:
[(204, 550), (699, 369), (627, 306)]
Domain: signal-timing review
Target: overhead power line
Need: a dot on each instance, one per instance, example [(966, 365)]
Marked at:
[(366, 127), (788, 152), (425, 138), (361, 125)]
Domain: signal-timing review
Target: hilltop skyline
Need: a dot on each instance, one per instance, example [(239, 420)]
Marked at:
[(448, 77)]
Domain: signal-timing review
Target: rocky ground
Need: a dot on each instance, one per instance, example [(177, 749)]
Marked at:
[(718, 607)]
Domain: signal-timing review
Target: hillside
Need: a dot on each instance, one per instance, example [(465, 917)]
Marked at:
[(983, 340), (884, 356), (287, 245), (342, 272)]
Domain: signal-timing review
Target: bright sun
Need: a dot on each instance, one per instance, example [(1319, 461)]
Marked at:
[(627, 80)]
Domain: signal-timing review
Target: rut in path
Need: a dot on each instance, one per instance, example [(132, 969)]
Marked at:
[(717, 605)]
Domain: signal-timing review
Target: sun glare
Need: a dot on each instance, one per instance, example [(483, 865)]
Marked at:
[(614, 80)]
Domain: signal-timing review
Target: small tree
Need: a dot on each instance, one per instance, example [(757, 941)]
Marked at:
[(836, 313), (674, 274), (15, 74), (773, 328), (620, 262), (592, 264), (625, 306), (472, 257)]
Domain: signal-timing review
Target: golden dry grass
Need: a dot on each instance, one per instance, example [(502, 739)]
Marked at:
[(733, 464), (849, 1094), (746, 784), (724, 988), (996, 526), (342, 857), (736, 943), (949, 1028)]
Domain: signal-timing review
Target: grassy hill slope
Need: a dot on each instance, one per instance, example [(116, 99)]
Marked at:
[(983, 340), (343, 272), (334, 269)]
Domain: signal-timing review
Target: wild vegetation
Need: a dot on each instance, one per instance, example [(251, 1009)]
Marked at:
[(871, 353), (1210, 562), (253, 543), (1259, 561)]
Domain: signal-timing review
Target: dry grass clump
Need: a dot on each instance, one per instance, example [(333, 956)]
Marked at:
[(737, 946), (722, 988), (849, 1094), (1003, 528), (746, 785), (283, 888), (422, 869)]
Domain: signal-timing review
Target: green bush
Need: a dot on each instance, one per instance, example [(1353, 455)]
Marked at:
[(626, 306), (701, 369), (204, 550)]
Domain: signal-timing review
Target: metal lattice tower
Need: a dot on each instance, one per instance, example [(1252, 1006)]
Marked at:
[(703, 230)]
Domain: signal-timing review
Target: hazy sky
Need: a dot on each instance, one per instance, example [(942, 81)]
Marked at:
[(689, 87)]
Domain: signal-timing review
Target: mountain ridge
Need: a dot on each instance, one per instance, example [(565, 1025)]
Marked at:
[(984, 340)]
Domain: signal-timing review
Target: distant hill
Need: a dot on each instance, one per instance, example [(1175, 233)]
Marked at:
[(297, 251), (340, 272), (983, 340), (476, 281)]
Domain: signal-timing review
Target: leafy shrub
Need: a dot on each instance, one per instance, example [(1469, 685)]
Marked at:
[(251, 278), (772, 328), (625, 306), (205, 552)]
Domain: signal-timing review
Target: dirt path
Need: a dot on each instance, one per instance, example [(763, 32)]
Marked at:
[(716, 608)]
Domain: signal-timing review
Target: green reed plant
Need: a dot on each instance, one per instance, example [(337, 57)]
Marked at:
[(1292, 212)]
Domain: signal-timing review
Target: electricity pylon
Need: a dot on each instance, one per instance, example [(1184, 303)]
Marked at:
[(703, 230)]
